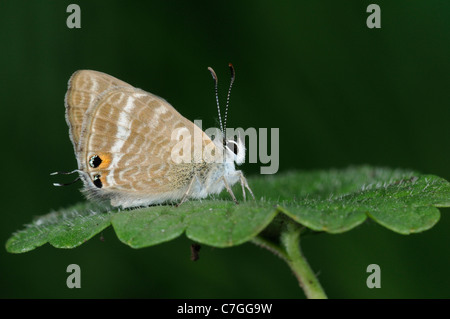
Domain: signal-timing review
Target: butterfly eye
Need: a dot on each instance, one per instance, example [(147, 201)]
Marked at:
[(95, 161), (233, 147), (97, 181)]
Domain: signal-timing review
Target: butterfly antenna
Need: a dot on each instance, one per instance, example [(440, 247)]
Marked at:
[(217, 96), (66, 173), (233, 76)]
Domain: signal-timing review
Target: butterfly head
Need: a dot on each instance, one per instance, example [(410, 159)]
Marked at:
[(235, 151)]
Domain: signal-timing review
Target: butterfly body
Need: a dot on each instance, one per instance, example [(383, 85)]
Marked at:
[(123, 139)]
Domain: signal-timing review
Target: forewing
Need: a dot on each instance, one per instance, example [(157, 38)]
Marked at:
[(84, 89)]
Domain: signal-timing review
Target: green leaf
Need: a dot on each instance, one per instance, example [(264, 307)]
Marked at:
[(402, 201), (66, 228), (333, 201), (408, 206), (216, 223), (149, 226), (230, 224)]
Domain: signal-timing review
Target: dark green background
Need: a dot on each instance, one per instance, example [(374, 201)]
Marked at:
[(340, 93)]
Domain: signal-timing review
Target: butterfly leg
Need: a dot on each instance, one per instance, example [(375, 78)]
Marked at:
[(244, 184), (186, 194), (229, 190), (243, 188)]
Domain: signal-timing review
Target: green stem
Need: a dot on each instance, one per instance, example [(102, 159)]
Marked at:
[(290, 239), (291, 253), (275, 249)]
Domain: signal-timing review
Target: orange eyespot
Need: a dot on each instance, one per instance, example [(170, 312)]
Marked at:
[(100, 160)]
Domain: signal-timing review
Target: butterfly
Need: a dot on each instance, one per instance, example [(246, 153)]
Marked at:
[(123, 138)]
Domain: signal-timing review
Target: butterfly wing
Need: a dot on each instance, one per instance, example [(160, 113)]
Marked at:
[(84, 89), (125, 148)]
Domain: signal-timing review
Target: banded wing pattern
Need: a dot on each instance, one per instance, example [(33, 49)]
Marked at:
[(85, 87)]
